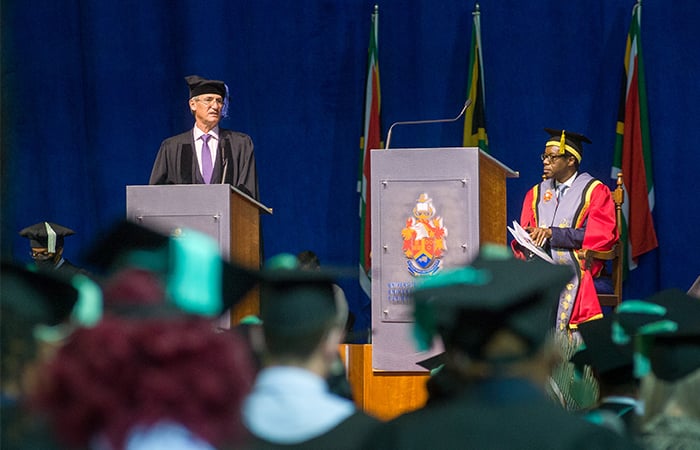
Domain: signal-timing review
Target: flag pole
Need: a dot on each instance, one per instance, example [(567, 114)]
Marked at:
[(371, 139), (477, 23)]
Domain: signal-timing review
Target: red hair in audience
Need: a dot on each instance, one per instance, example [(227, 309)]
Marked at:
[(128, 372)]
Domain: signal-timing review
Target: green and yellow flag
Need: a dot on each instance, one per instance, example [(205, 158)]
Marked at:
[(475, 118)]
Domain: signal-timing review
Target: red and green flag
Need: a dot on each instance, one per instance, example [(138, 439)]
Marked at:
[(475, 118), (633, 151), (371, 139)]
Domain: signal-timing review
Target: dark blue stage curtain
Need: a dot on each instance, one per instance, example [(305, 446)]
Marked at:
[(90, 88)]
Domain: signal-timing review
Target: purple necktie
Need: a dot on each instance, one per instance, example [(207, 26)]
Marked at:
[(207, 167)]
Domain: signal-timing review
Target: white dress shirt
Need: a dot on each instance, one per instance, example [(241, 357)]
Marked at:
[(213, 145)]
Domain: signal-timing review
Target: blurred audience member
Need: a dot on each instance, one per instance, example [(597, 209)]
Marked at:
[(666, 333), (618, 405), (493, 318), (291, 405), (154, 372), (151, 377), (337, 377), (30, 303)]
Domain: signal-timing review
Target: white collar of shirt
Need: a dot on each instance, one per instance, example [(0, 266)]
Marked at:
[(161, 435), (568, 182), (629, 401), (214, 133), (289, 405), (213, 144)]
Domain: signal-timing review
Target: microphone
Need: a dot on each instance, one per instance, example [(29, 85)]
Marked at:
[(224, 160), (223, 176), (417, 122)]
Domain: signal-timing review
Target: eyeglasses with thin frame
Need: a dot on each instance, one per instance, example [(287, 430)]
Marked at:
[(545, 157), (207, 101)]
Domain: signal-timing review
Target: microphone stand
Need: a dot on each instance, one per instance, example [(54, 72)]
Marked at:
[(418, 122)]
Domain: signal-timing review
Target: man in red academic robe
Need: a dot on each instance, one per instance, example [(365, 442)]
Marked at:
[(568, 211)]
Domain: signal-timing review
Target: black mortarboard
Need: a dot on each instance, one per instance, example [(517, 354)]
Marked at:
[(199, 86), (47, 235), (292, 299), (434, 362), (128, 244), (573, 142), (36, 296), (467, 305), (667, 333), (612, 362), (237, 281), (194, 276)]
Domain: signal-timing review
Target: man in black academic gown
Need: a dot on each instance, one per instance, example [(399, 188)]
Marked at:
[(493, 318), (206, 153)]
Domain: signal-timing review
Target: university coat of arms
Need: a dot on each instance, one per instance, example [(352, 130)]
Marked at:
[(424, 238)]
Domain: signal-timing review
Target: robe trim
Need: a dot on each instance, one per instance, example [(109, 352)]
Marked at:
[(574, 326), (227, 155), (186, 162), (536, 202), (585, 205)]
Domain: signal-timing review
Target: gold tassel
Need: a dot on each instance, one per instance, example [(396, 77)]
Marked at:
[(562, 142)]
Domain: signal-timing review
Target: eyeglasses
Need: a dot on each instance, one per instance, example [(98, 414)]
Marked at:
[(545, 157), (209, 100), (43, 255)]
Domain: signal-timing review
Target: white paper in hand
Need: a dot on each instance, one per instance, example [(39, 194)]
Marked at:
[(523, 238)]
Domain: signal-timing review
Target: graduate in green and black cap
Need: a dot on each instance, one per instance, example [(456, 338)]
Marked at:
[(31, 302), (665, 332), (338, 377), (291, 405), (618, 404), (568, 211), (46, 243), (493, 319), (145, 272)]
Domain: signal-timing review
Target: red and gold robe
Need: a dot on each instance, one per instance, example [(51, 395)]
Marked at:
[(583, 218)]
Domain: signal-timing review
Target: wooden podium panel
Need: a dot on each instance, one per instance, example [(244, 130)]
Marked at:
[(221, 211), (384, 395), (492, 199)]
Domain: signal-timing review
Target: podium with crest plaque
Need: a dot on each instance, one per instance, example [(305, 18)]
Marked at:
[(431, 209), (221, 211)]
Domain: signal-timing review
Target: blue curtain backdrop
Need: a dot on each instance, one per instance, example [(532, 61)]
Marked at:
[(90, 88)]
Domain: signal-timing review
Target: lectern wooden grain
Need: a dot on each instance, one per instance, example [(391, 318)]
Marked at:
[(431, 209), (221, 211)]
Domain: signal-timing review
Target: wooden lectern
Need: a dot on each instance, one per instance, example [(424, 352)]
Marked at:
[(221, 211), (431, 209)]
